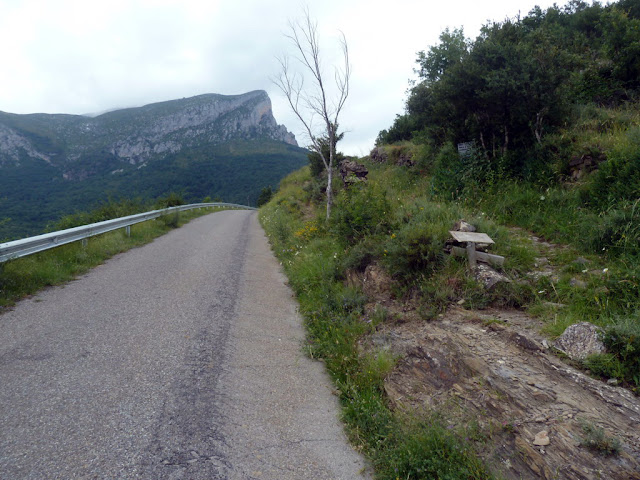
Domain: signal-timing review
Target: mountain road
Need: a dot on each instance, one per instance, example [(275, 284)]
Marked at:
[(180, 359)]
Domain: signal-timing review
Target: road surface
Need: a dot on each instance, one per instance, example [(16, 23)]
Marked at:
[(177, 360)]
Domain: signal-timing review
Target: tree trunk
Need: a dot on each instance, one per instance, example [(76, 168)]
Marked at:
[(484, 147), (329, 192), (538, 128), (332, 149), (505, 148)]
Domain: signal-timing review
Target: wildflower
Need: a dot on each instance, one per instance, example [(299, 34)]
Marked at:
[(542, 197), (393, 235), (605, 270)]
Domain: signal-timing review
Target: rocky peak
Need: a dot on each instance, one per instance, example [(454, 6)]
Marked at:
[(141, 134)]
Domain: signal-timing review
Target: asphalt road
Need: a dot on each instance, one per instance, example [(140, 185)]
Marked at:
[(177, 360)]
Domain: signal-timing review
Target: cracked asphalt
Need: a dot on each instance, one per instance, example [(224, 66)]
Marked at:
[(177, 360)]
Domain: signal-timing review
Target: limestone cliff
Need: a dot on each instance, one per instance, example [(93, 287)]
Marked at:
[(75, 143)]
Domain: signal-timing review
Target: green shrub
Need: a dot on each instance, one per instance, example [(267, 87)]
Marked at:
[(605, 365), (622, 340), (416, 250), (173, 199), (429, 450), (360, 210), (360, 255), (617, 179), (447, 181), (595, 438)]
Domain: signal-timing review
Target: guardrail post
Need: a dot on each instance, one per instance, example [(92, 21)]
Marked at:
[(127, 230), (85, 242)]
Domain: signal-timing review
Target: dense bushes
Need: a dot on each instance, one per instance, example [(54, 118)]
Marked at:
[(107, 211), (361, 210)]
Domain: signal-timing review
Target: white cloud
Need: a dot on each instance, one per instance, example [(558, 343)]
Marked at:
[(73, 56)]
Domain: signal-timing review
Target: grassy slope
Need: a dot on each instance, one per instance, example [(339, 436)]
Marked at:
[(397, 221)]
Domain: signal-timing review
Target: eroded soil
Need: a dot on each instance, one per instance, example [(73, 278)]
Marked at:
[(492, 367)]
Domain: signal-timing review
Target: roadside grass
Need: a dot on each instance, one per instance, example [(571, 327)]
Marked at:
[(399, 222), (25, 276), (314, 254)]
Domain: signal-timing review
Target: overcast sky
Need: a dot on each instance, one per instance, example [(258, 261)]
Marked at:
[(85, 56)]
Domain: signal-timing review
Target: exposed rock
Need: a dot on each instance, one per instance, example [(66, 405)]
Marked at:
[(586, 163), (541, 439), (405, 160), (488, 276), (136, 135), (376, 282), (541, 262), (577, 283), (462, 226), (353, 172), (487, 376), (378, 155), (525, 342), (580, 340)]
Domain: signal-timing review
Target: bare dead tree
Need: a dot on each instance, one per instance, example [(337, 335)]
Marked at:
[(315, 101)]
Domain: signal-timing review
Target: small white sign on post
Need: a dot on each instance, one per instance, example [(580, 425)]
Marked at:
[(464, 148)]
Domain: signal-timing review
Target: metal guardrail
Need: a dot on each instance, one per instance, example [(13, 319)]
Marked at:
[(27, 246)]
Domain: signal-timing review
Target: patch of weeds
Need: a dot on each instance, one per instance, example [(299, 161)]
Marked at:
[(622, 340), (362, 254), (359, 211), (596, 439), (605, 365), (430, 450), (352, 300), (491, 321), (556, 326), (378, 316), (511, 294), (376, 366), (508, 426), (171, 220)]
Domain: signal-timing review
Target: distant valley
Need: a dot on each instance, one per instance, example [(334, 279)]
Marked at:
[(225, 147)]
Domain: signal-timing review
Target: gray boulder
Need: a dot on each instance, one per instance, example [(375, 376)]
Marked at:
[(580, 340)]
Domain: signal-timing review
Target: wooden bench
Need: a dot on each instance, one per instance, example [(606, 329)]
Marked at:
[(471, 239)]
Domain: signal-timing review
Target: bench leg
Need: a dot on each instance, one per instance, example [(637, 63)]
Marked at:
[(471, 254)]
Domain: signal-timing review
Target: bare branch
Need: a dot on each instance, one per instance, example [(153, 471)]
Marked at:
[(307, 103)]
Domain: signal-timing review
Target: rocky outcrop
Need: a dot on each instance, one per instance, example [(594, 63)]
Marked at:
[(138, 135), (353, 172), (491, 369), (13, 146), (580, 340)]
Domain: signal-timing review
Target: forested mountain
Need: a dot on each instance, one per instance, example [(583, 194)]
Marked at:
[(226, 147), (513, 91)]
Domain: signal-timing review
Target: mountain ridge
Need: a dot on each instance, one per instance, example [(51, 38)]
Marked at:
[(138, 134), (224, 146)]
